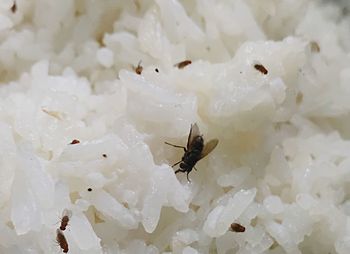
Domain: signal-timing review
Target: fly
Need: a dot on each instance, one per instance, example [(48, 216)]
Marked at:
[(195, 150)]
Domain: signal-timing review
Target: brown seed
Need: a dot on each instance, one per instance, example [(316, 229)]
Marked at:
[(65, 219), (61, 240), (74, 141), (235, 227), (315, 47), (138, 69), (183, 64), (14, 7), (261, 68)]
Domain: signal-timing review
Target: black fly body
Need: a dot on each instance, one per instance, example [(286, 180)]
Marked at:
[(195, 150)]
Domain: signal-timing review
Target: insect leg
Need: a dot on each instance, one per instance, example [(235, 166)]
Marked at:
[(180, 170), (176, 146), (187, 177), (176, 163)]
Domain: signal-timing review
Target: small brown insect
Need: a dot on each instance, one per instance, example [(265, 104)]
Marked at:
[(66, 215), (156, 70), (315, 47), (299, 98), (74, 141), (61, 240), (14, 7), (104, 155), (235, 227), (261, 68), (89, 189), (138, 69), (194, 151), (183, 64)]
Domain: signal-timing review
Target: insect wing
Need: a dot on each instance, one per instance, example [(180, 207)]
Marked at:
[(67, 213), (209, 147), (194, 132)]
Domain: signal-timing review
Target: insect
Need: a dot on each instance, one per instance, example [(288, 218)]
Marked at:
[(14, 7), (66, 215), (195, 150), (235, 227), (183, 64), (61, 240), (74, 141), (261, 68), (138, 69)]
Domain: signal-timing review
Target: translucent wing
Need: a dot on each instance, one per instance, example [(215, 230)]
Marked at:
[(194, 132), (67, 213), (209, 147)]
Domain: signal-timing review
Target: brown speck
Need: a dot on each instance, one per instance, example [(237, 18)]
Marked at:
[(315, 47), (261, 68), (74, 141), (65, 219), (104, 155), (299, 98), (89, 189), (235, 227), (138, 69), (61, 240), (183, 64), (14, 7), (156, 69)]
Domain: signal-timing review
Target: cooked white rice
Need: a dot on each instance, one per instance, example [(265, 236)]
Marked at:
[(282, 166)]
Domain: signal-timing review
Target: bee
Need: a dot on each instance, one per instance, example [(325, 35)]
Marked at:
[(195, 150), (66, 215), (235, 227), (62, 241)]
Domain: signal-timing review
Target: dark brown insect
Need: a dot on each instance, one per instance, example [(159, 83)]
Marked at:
[(89, 189), (261, 68), (235, 227), (195, 150), (66, 215), (183, 64), (74, 141), (14, 7), (156, 70), (61, 240), (138, 69), (104, 155)]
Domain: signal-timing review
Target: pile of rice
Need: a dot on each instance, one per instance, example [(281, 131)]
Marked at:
[(282, 166)]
